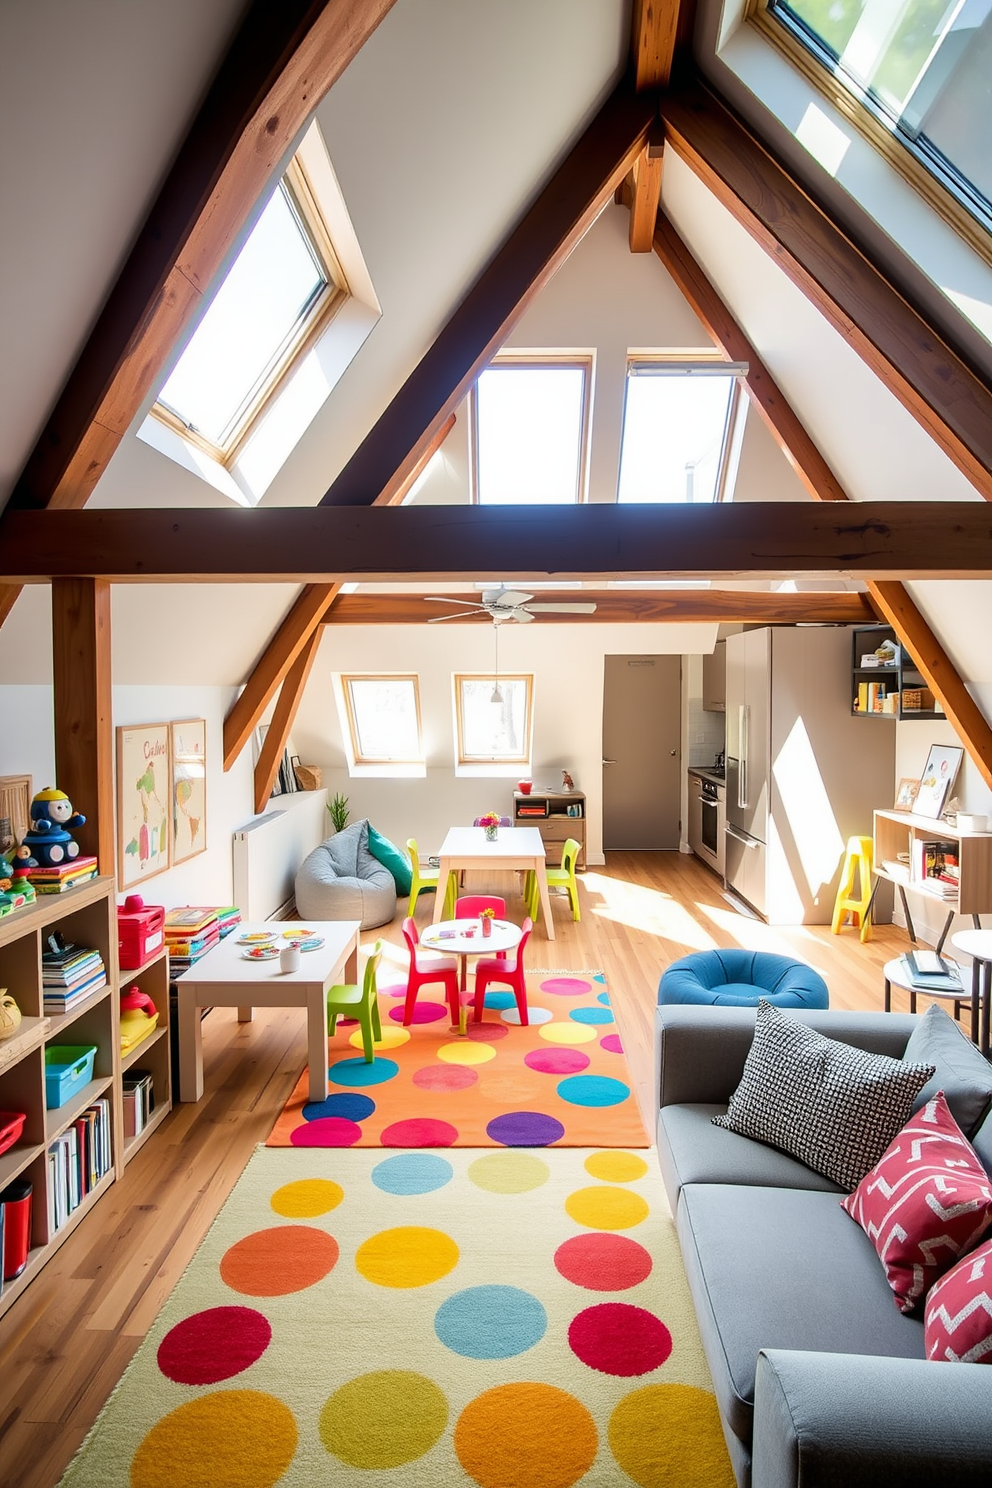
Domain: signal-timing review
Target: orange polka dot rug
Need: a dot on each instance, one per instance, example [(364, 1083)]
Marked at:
[(560, 1081), (509, 1319)]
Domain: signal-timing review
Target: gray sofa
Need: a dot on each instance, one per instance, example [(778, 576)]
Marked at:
[(820, 1380)]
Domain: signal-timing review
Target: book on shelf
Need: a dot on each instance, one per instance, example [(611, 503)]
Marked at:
[(77, 1160), (935, 867), (189, 920), (59, 879), (139, 1101)]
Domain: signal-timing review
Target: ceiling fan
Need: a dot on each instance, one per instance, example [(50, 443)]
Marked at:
[(506, 604)]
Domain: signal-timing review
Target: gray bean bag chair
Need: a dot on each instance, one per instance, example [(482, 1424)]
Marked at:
[(341, 880)]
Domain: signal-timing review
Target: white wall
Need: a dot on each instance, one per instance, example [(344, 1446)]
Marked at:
[(568, 714)]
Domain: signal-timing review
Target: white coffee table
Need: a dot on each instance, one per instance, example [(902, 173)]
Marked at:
[(520, 848), (223, 978), (896, 975), (978, 945)]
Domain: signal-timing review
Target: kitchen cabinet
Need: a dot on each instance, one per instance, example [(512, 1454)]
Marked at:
[(715, 679)]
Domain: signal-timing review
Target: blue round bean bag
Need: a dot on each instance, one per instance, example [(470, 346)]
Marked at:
[(740, 979)]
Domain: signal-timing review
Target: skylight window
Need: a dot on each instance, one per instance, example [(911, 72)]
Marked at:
[(383, 719), (920, 69), (277, 294), (530, 431), (493, 721), (676, 424)]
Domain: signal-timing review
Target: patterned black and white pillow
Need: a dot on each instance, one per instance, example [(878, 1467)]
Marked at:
[(834, 1107)]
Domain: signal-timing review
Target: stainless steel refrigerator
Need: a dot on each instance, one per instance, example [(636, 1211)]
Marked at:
[(803, 774)]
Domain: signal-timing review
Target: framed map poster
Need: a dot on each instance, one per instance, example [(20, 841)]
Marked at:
[(189, 788), (144, 781)]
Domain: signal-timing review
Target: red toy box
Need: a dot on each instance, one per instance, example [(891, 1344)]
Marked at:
[(140, 932)]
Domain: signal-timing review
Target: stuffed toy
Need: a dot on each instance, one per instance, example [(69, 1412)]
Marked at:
[(49, 842)]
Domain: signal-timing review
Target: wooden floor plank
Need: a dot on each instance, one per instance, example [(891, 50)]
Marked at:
[(65, 1343)]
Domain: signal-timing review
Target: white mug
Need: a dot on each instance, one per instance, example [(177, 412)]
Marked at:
[(289, 958)]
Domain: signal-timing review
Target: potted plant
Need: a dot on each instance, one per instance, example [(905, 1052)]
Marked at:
[(338, 807), (490, 822)]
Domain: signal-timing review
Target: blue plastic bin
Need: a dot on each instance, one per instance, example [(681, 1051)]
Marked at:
[(68, 1067)]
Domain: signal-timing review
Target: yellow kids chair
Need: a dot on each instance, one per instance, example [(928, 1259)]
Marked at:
[(351, 1001), (425, 881), (563, 877)]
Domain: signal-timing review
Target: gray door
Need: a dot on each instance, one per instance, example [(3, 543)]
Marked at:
[(642, 732)]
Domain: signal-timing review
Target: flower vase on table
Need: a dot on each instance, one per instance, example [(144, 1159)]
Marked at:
[(486, 925), (490, 825)]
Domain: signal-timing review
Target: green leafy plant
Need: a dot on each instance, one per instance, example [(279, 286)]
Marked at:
[(338, 807)]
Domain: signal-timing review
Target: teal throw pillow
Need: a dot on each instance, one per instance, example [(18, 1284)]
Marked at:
[(390, 856)]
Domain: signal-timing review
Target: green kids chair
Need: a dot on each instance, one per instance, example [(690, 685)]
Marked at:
[(351, 1001), (425, 881), (563, 877)]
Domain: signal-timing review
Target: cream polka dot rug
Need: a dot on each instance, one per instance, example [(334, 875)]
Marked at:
[(508, 1318)]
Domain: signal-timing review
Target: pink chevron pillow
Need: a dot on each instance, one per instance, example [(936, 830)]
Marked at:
[(957, 1326), (925, 1202)]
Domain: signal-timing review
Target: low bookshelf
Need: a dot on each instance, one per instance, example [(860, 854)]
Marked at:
[(87, 917), (903, 832), (557, 815)]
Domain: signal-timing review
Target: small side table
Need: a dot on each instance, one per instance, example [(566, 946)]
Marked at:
[(978, 945), (895, 974)]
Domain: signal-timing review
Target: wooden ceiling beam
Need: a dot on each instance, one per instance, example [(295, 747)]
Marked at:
[(654, 32), (280, 64), (323, 545), (284, 715), (677, 606), (528, 258), (295, 630), (646, 192), (889, 597), (894, 340)]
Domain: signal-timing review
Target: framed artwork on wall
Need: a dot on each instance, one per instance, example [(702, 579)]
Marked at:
[(189, 788), (939, 774), (144, 780), (15, 810)]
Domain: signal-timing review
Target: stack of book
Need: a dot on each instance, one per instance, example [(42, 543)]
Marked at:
[(936, 868), (69, 973), (77, 1160), (194, 929), (927, 971), (139, 1101), (190, 932), (871, 697), (64, 876)]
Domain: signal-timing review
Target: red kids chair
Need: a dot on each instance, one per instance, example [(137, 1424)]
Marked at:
[(428, 967), (509, 972)]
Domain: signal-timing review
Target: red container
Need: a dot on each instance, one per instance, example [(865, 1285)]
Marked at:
[(11, 1126), (16, 1201), (140, 932)]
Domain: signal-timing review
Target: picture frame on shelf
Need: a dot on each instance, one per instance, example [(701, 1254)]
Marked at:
[(906, 794), (188, 740), (144, 788), (937, 780), (15, 810)]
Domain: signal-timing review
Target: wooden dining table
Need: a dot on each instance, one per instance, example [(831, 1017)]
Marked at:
[(515, 849)]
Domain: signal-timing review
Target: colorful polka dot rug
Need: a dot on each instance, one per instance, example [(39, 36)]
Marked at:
[(562, 1080), (511, 1319)]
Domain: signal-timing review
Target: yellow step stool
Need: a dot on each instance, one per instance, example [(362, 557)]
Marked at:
[(857, 863)]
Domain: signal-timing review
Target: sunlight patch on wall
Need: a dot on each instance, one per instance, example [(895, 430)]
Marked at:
[(815, 834)]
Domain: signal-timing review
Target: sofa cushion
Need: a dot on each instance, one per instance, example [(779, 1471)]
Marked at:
[(834, 1107), (779, 1268), (390, 857), (963, 1073), (925, 1203), (957, 1324), (692, 1150)]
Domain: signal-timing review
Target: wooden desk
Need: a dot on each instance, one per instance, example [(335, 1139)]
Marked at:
[(223, 978), (515, 848), (897, 831)]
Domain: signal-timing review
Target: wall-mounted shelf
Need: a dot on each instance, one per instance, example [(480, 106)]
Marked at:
[(900, 679)]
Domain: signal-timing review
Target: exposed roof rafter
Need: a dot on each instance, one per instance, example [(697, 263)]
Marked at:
[(632, 607)]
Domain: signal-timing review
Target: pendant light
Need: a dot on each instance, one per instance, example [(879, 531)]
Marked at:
[(497, 696)]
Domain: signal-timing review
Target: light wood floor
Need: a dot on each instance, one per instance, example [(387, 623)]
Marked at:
[(65, 1343)]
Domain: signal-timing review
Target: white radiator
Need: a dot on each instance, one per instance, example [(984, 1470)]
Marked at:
[(269, 850)]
